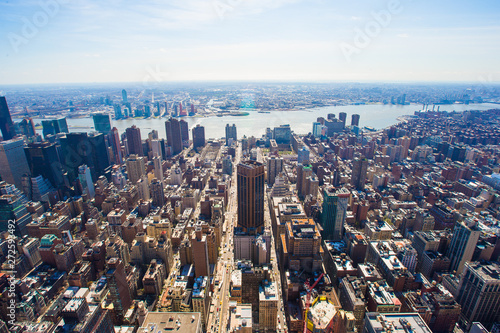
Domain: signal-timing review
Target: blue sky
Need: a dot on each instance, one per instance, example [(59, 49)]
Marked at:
[(56, 41)]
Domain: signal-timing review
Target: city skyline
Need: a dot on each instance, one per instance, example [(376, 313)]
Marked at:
[(56, 41)]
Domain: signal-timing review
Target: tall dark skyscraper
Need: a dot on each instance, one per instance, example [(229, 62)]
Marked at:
[(102, 123), (359, 170), (43, 159), (230, 133), (355, 120), (13, 163), (27, 127), (117, 150), (343, 117), (6, 124), (174, 138), (184, 130), (198, 136), (54, 126), (84, 148), (250, 196), (134, 140), (334, 213), (462, 245)]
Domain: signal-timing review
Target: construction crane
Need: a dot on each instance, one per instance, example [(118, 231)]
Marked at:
[(308, 297)]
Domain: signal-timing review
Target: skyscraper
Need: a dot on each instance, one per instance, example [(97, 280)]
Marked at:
[(250, 196), (274, 167), (119, 290), (343, 117), (200, 252), (43, 159), (134, 140), (157, 193), (117, 149), (355, 120), (198, 136), (6, 124), (334, 212), (158, 170), (317, 127), (27, 127), (462, 245), (230, 134), (84, 148), (13, 163), (358, 176), (102, 123), (479, 294), (184, 131), (124, 96), (54, 126), (85, 178), (174, 138), (136, 168), (303, 155)]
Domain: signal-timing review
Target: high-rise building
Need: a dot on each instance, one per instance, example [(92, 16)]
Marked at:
[(268, 306), (282, 134), (43, 159), (136, 168), (200, 252), (27, 127), (158, 169), (343, 117), (13, 163), (118, 111), (230, 134), (198, 136), (227, 165), (174, 137), (85, 178), (250, 196), (84, 148), (184, 132), (303, 155), (462, 245), (102, 123), (274, 167), (355, 120), (124, 96), (6, 124), (54, 126), (157, 193), (479, 294), (303, 171), (13, 207), (334, 212), (317, 128), (119, 290), (134, 140), (359, 171), (117, 149)]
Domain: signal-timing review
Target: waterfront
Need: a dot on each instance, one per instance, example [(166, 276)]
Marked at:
[(374, 115)]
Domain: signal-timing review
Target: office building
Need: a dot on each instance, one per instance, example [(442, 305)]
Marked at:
[(174, 137), (359, 171), (118, 111), (303, 155), (394, 323), (317, 129), (157, 193), (343, 117), (13, 163), (102, 123), (160, 322), (198, 136), (462, 245), (6, 124), (479, 294), (268, 306), (116, 145), (227, 165), (250, 182), (85, 177), (282, 134), (136, 168), (54, 126), (27, 127), (334, 212), (355, 120), (43, 159), (124, 96), (158, 168), (134, 141), (200, 252), (84, 148), (119, 290), (274, 167), (184, 132), (230, 134)]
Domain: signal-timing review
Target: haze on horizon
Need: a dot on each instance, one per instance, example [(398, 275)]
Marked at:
[(84, 41)]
